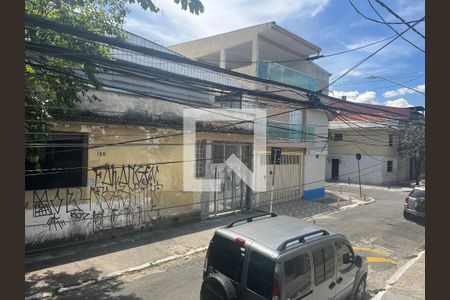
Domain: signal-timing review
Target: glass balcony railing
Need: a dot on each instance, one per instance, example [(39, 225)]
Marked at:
[(280, 73), (289, 132)]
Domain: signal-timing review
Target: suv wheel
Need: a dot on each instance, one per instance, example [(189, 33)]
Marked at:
[(406, 215), (360, 289), (217, 286)]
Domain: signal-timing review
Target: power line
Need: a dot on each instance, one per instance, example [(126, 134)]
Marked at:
[(402, 85), (398, 17), (368, 57), (374, 20), (81, 32), (393, 29)]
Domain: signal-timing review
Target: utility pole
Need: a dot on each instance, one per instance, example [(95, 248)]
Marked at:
[(275, 154), (358, 158)]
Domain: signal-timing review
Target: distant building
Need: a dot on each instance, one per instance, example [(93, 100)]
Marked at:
[(374, 131)]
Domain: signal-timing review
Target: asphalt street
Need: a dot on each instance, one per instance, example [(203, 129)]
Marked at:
[(377, 231)]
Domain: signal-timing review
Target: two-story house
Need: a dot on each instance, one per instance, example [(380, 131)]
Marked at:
[(375, 132), (271, 52)]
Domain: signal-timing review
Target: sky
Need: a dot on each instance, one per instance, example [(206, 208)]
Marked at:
[(333, 25)]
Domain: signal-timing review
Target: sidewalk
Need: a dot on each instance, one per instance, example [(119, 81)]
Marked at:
[(409, 286), (78, 265)]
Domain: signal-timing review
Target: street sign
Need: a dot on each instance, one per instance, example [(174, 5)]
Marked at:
[(358, 156), (275, 156)]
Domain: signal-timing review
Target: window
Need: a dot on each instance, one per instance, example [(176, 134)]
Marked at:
[(389, 165), (417, 193), (342, 249), (391, 140), (233, 100), (218, 152), (338, 137), (200, 158), (323, 264), (62, 150), (298, 275), (260, 275), (319, 269), (227, 258)]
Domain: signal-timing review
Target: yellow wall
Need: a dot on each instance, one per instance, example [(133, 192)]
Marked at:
[(364, 141)]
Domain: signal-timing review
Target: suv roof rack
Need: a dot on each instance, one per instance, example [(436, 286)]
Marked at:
[(300, 238), (250, 219)]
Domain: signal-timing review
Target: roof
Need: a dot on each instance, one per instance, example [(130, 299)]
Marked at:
[(368, 115), (269, 30), (271, 232)]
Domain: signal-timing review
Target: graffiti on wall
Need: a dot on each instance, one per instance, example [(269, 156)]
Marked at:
[(119, 196)]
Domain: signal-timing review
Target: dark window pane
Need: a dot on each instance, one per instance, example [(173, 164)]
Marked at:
[(227, 258), (297, 275), (260, 275), (341, 250), (338, 136), (389, 165), (329, 261), (417, 194), (391, 140), (319, 269), (218, 152)]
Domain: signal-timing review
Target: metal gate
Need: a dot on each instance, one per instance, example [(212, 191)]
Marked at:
[(233, 193), (287, 183)]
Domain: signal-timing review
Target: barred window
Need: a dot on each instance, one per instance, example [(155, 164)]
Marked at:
[(200, 158)]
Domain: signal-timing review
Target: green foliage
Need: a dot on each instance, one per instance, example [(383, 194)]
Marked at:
[(412, 143), (55, 85)]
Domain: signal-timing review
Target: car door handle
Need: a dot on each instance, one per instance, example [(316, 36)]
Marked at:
[(339, 280), (332, 284)]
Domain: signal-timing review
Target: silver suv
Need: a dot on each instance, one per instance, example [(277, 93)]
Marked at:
[(280, 257), (415, 203)]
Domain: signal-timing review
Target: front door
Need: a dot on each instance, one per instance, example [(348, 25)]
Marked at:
[(335, 169), (346, 269), (324, 272)]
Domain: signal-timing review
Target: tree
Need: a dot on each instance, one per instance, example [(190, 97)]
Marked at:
[(52, 84), (412, 144)]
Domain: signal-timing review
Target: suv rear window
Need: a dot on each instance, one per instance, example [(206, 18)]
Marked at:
[(260, 275), (227, 258), (417, 193)]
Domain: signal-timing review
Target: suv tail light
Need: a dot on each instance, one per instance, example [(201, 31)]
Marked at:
[(239, 241), (275, 290), (406, 200)]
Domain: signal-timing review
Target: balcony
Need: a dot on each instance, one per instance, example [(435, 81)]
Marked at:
[(289, 132), (280, 73)]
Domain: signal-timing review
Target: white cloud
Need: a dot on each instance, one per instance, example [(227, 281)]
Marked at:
[(367, 97), (354, 73), (402, 102), (173, 25), (404, 91)]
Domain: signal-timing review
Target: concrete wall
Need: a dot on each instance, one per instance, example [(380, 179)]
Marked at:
[(314, 176), (130, 186), (373, 169)]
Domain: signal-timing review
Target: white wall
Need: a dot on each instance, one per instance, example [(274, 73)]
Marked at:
[(314, 171), (373, 169)]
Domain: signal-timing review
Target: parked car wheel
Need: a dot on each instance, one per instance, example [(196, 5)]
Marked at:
[(360, 289), (406, 215), (217, 286)]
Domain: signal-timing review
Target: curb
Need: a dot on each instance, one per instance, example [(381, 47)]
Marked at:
[(61, 290), (115, 274), (341, 208), (394, 278)]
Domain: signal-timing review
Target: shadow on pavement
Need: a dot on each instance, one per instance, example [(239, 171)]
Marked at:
[(50, 282), (84, 250)]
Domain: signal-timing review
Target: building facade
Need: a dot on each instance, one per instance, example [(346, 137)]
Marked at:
[(375, 132), (270, 52)]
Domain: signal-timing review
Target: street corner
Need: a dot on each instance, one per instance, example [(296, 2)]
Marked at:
[(378, 258)]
